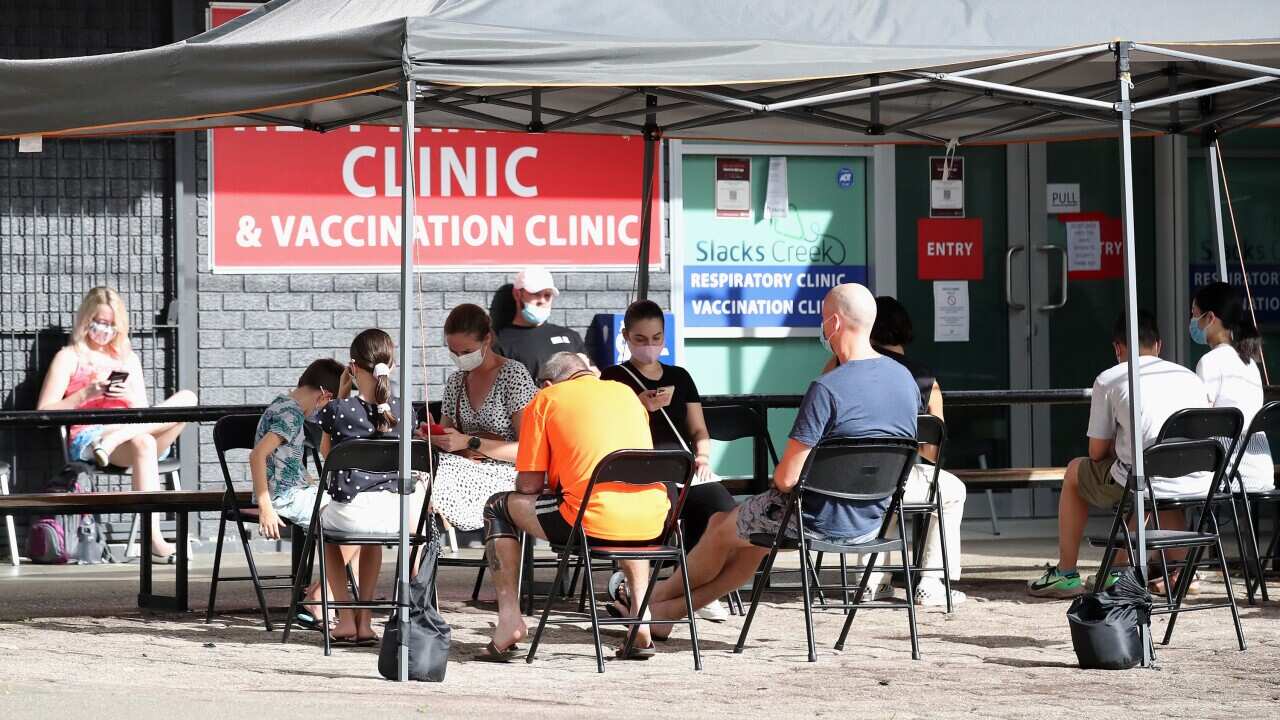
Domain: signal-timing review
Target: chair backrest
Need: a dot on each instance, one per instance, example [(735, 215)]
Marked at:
[(233, 432), (1175, 458), (643, 467), (377, 456), (931, 430), (872, 468), (1202, 424), (727, 423)]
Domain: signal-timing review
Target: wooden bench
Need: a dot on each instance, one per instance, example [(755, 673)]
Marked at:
[(180, 502), (1010, 478)]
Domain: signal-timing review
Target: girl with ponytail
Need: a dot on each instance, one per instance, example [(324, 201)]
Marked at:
[(363, 502), (1221, 320)]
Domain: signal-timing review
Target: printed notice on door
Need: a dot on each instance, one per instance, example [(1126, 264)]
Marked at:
[(1084, 246), (951, 311)]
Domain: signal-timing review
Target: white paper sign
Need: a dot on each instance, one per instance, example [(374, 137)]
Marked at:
[(776, 198), (946, 194), (30, 143), (1084, 246), (951, 311), (1062, 197)]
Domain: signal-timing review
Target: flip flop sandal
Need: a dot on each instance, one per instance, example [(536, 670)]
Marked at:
[(369, 641), (342, 640), (100, 457), (492, 654), (637, 653), (306, 620)]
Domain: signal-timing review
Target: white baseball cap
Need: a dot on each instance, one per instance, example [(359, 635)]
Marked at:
[(535, 280)]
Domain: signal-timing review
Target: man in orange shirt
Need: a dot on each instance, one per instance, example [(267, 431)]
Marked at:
[(571, 424)]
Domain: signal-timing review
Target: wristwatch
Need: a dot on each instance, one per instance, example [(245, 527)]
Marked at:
[(473, 443)]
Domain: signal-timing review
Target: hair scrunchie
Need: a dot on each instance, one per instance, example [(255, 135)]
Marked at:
[(384, 407), (381, 369)]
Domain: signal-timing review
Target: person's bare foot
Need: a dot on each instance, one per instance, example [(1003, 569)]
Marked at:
[(509, 631), (345, 628)]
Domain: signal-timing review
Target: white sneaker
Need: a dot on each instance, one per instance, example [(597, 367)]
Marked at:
[(932, 593), (713, 611)]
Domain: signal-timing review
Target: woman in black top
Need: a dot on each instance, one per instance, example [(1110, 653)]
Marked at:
[(675, 419)]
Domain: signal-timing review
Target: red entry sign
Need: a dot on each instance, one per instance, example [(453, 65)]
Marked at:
[(1112, 241), (949, 249)]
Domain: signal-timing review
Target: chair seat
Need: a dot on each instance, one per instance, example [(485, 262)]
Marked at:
[(333, 537), (1272, 494), (879, 545), (1157, 539), (167, 465), (1174, 501), (638, 552)]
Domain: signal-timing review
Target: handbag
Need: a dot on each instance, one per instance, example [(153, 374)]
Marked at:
[(429, 636)]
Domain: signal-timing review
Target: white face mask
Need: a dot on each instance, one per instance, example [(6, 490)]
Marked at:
[(467, 362), (645, 354), (101, 333)]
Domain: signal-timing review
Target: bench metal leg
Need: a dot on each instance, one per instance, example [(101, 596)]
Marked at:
[(995, 519), (147, 599), (8, 523)]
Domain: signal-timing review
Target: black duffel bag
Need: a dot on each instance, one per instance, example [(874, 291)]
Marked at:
[(1105, 626), (429, 634)]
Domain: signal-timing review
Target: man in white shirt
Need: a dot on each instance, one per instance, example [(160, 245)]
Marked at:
[(1099, 479)]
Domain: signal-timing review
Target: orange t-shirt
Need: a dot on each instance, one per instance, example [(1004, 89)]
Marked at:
[(567, 429)]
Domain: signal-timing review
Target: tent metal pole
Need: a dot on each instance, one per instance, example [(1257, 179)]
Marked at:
[(1193, 94), (1131, 334), (871, 90), (1215, 187), (1207, 59), (646, 201), (406, 369)]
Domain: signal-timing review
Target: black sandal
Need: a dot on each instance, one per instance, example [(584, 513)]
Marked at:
[(492, 654), (637, 653)]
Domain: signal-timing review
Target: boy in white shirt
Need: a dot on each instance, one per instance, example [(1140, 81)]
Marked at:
[(1099, 479)]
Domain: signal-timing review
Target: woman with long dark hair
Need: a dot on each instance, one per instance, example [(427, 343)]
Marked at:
[(1230, 370)]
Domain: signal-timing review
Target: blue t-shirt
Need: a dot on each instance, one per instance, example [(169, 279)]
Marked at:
[(877, 397)]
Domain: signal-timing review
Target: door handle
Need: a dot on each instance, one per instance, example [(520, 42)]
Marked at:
[(1063, 252), (1008, 278)]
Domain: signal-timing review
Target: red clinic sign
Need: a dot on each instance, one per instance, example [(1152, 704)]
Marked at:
[(287, 200)]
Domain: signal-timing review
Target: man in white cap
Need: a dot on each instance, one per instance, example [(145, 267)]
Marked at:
[(530, 339)]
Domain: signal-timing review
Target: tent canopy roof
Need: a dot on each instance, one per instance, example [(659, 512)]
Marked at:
[(707, 66)]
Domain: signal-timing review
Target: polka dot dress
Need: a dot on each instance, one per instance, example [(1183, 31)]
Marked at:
[(462, 486), (348, 419)]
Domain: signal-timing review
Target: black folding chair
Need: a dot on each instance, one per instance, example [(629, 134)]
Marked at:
[(844, 469), (1265, 423), (632, 467), (727, 423), (236, 432), (375, 456), (1175, 458), (930, 430), (1225, 426)]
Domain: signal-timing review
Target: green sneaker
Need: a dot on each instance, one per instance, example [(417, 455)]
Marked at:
[(1053, 584), (1111, 580)]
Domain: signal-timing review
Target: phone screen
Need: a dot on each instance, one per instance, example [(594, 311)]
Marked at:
[(118, 376)]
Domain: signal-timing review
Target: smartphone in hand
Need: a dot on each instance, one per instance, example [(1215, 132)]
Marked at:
[(118, 376)]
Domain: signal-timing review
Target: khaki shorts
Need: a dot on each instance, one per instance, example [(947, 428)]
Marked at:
[(1097, 487)]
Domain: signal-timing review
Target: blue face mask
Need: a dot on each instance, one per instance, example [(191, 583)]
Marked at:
[(1197, 332), (822, 337), (535, 314)]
